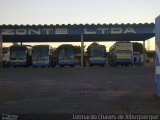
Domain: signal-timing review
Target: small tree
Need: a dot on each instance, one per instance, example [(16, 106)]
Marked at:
[(137, 47), (94, 43), (77, 49)]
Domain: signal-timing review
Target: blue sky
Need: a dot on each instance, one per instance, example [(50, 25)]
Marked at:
[(78, 11)]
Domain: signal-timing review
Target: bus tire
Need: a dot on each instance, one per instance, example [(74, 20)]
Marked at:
[(72, 65), (52, 65), (61, 66)]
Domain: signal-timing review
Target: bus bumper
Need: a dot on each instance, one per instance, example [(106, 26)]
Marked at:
[(36, 64), (22, 63), (123, 61), (97, 62), (61, 62)]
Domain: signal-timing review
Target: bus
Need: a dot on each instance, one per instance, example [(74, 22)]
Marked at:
[(66, 55), (96, 54), (121, 53), (42, 55), (20, 55)]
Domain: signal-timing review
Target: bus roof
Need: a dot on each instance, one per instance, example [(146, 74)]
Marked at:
[(65, 45), (20, 47), (41, 45)]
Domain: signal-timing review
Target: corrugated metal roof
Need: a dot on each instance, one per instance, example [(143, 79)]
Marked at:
[(77, 25)]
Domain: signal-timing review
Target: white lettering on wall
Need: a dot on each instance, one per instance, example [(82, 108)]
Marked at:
[(34, 31), (61, 31), (7, 31), (89, 32), (103, 30), (47, 30), (129, 30), (117, 30), (21, 32)]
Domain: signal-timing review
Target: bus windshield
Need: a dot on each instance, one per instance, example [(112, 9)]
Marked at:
[(97, 52), (123, 46), (40, 52), (66, 52), (17, 55)]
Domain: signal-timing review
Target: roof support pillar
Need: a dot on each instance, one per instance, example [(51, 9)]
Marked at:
[(1, 53), (144, 53), (82, 47)]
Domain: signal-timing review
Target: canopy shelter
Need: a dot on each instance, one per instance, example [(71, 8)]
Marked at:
[(72, 33), (77, 33)]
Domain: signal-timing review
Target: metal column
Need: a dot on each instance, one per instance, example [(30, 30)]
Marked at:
[(82, 46), (1, 53), (144, 53), (157, 60)]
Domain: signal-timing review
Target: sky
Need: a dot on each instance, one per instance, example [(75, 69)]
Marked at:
[(79, 11)]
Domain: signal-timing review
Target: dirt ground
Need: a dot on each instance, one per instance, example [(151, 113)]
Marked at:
[(76, 90)]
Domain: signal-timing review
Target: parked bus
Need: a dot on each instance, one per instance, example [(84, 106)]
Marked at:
[(96, 54), (20, 55), (66, 55), (42, 55), (121, 53)]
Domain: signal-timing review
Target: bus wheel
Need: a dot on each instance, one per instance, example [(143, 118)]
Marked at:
[(72, 65), (52, 65), (61, 65)]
